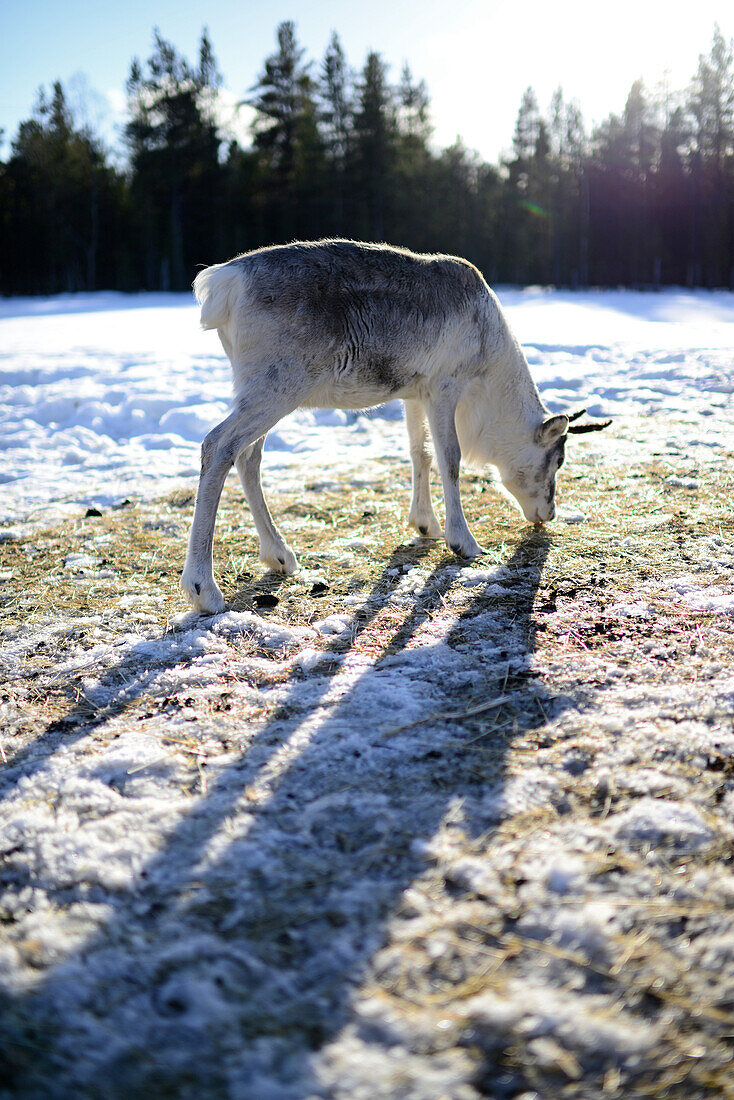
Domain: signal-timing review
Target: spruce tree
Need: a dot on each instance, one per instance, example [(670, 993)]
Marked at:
[(285, 134), (374, 153), (336, 105), (60, 193), (174, 151)]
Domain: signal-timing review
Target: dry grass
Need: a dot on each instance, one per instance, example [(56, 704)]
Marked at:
[(639, 531), (144, 543)]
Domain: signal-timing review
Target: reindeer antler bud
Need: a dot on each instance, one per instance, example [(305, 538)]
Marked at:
[(582, 429)]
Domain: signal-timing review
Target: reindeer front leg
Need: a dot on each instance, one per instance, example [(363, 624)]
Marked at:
[(421, 516), (441, 409)]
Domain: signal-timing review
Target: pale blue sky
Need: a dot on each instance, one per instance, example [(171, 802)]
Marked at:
[(477, 56)]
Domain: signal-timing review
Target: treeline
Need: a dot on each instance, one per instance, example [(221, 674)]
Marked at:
[(646, 198)]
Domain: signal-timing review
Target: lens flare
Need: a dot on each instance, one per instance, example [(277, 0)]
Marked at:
[(535, 209)]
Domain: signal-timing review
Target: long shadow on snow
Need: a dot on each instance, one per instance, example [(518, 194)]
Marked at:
[(223, 973)]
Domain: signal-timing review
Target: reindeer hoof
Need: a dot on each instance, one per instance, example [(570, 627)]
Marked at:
[(280, 561), (204, 596), (426, 528), (468, 548)]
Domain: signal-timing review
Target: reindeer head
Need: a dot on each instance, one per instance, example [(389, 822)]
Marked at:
[(529, 473)]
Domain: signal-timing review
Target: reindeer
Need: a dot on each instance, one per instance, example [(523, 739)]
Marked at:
[(339, 324)]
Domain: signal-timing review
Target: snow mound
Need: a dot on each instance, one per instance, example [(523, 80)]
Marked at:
[(268, 634), (658, 821), (702, 598)]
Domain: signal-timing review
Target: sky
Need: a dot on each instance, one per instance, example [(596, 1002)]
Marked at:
[(476, 56)]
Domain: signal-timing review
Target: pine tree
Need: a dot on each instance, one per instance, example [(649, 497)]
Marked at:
[(414, 101), (336, 99), (531, 194), (711, 101), (286, 135), (673, 207), (641, 135), (60, 192), (413, 209), (526, 128), (374, 141), (174, 150), (335, 93), (711, 105)]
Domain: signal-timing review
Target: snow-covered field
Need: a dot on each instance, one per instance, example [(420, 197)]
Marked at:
[(466, 832), (106, 396)]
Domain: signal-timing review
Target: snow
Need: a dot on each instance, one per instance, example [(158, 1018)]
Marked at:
[(703, 597), (656, 820), (109, 396), (683, 482), (566, 515), (105, 396), (227, 890)]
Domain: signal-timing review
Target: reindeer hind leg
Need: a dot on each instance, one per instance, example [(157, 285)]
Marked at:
[(274, 550)]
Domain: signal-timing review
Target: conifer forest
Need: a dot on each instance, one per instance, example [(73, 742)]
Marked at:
[(645, 198)]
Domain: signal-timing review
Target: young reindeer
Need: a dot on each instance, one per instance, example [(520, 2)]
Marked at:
[(338, 324)]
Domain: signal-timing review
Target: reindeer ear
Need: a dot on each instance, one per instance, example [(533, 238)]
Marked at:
[(551, 430), (581, 429)]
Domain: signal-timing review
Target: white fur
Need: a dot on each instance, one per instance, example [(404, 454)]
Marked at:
[(218, 290)]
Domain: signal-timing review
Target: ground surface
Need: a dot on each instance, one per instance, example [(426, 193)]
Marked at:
[(397, 826), (417, 829)]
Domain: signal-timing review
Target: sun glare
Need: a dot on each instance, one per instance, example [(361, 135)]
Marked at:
[(479, 65)]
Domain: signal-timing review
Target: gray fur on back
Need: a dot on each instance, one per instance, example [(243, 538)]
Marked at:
[(364, 306), (330, 277)]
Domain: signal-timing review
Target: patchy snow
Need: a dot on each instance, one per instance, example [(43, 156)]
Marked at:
[(228, 868), (683, 482), (655, 821), (567, 515), (704, 597)]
